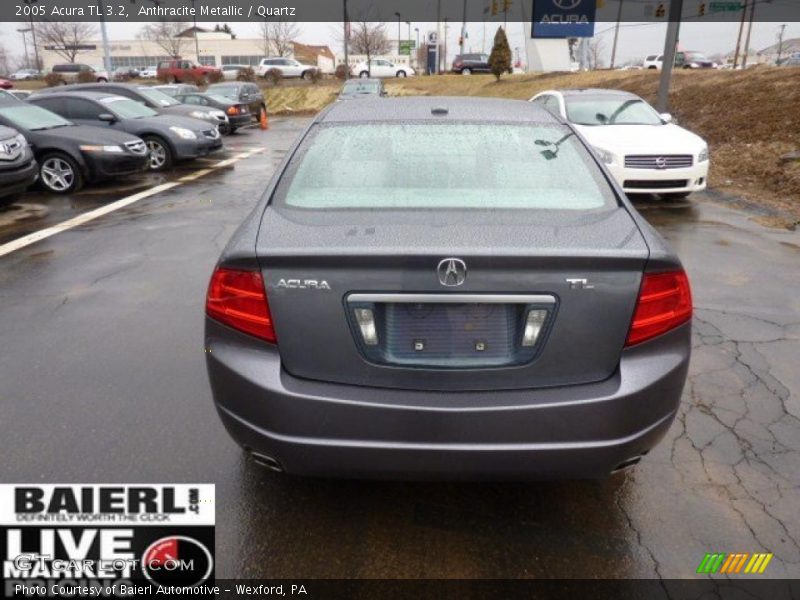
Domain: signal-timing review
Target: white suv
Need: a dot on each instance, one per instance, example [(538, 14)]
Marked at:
[(380, 67), (654, 61), (288, 67)]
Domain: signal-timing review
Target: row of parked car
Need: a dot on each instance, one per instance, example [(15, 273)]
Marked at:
[(76, 134)]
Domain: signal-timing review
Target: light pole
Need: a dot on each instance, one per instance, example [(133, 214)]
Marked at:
[(397, 14), (410, 54), (25, 45), (196, 44), (33, 35), (104, 35), (416, 57), (346, 26)]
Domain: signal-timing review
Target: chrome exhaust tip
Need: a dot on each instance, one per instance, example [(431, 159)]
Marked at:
[(627, 464), (266, 461)]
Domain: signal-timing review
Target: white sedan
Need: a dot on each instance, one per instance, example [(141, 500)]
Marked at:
[(380, 67), (645, 151), (149, 73)]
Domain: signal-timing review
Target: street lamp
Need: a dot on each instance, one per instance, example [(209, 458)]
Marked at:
[(25, 45), (397, 14)]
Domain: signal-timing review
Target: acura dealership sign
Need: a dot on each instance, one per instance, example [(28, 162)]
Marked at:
[(563, 18)]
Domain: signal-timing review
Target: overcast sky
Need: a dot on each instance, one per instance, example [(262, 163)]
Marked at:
[(636, 40)]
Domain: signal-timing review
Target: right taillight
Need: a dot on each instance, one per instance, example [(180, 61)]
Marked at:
[(665, 301), (237, 299)]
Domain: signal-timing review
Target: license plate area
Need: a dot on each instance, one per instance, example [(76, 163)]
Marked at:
[(450, 331)]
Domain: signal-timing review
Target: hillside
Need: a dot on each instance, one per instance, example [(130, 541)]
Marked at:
[(749, 118)]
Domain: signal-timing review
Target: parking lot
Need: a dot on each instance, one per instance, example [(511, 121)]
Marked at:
[(103, 379)]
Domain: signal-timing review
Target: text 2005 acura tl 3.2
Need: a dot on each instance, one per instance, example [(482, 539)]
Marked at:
[(446, 288)]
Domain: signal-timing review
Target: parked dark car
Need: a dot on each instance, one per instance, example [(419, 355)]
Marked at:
[(147, 95), (169, 138), (386, 312), (238, 114), (362, 88), (466, 64), (71, 155), (243, 93), (690, 59), (18, 168)]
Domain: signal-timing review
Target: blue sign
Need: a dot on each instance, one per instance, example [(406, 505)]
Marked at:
[(563, 18)]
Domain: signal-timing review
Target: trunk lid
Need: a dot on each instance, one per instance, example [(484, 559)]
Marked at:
[(319, 266)]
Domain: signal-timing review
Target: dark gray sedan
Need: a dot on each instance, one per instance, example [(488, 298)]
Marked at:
[(237, 113), (446, 288), (169, 138), (144, 94)]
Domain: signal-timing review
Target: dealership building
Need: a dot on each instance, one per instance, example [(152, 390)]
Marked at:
[(217, 48)]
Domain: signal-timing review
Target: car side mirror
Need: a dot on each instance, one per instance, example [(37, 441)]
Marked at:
[(107, 118), (666, 117)]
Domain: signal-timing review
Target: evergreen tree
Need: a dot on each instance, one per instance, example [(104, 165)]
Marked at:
[(500, 58)]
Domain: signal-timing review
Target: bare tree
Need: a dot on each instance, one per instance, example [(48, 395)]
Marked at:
[(166, 35), (66, 38), (369, 39), (278, 36), (596, 49)]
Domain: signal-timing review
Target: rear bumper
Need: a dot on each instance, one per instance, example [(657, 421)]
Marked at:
[(323, 429), (661, 181)]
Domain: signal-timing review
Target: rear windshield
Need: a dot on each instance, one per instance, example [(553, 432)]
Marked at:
[(443, 165)]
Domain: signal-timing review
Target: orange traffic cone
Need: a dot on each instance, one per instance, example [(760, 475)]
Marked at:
[(263, 120)]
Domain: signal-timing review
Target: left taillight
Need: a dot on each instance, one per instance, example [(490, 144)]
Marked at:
[(665, 302), (237, 298)]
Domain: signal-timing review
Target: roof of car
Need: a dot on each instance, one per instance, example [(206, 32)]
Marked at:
[(432, 108), (595, 92), (81, 94)]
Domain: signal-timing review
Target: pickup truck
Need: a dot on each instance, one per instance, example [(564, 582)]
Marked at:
[(182, 70)]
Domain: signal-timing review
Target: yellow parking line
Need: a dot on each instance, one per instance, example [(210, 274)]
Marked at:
[(91, 215)]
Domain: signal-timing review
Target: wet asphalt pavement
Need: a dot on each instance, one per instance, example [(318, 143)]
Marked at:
[(102, 379)]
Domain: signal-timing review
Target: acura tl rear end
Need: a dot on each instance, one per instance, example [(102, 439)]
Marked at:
[(444, 288)]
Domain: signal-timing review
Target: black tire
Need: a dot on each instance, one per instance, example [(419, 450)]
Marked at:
[(306, 76), (364, 74), (676, 195), (59, 173), (159, 159), (232, 130), (225, 129), (401, 73), (652, 68), (102, 80), (8, 200)]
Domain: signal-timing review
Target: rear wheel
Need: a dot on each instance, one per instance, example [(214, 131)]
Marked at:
[(60, 174), (364, 74), (466, 71), (160, 153), (306, 75), (102, 80), (401, 73)]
